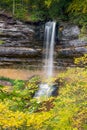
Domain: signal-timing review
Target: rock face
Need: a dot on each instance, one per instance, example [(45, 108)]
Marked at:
[(70, 45), (23, 43), (20, 42), (69, 32)]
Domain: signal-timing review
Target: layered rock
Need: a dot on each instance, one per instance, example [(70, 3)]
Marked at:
[(70, 45), (22, 43), (19, 42)]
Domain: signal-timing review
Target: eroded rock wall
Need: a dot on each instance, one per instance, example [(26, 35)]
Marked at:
[(70, 44), (20, 42)]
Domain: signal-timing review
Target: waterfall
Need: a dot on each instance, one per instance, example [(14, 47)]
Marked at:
[(50, 29), (49, 42)]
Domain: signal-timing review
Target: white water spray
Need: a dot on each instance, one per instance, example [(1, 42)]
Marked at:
[(50, 29), (49, 48)]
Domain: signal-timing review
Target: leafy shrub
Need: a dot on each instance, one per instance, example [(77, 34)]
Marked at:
[(77, 10), (68, 110), (19, 95), (81, 60), (21, 12)]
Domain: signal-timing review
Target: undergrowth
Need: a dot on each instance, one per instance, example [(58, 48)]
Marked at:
[(68, 111)]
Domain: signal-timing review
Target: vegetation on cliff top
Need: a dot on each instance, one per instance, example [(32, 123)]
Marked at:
[(34, 10)]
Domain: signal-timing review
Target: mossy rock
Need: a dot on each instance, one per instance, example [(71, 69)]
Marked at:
[(2, 42)]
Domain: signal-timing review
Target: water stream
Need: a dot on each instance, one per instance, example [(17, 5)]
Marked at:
[(49, 48), (49, 42)]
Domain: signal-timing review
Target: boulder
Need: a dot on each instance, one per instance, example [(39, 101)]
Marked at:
[(69, 32)]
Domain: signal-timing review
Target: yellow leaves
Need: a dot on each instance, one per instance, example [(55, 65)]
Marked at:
[(71, 101), (68, 110), (82, 60), (36, 120), (2, 107), (7, 89), (78, 6), (10, 119), (48, 3), (50, 80), (85, 8), (33, 83), (79, 120)]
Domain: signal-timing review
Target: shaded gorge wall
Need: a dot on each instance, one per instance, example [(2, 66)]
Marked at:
[(22, 44), (71, 44)]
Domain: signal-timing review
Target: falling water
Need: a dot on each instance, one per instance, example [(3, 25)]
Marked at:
[(49, 47), (49, 42)]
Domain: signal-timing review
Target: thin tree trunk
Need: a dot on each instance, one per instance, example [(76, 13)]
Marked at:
[(13, 7)]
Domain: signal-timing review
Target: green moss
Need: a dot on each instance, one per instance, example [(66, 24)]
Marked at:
[(2, 42)]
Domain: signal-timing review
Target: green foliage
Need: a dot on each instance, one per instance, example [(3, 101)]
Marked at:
[(78, 6), (18, 84), (37, 10), (81, 60), (1, 42), (83, 33), (57, 9), (78, 11), (21, 12), (72, 100), (37, 15), (67, 111), (19, 94), (74, 10)]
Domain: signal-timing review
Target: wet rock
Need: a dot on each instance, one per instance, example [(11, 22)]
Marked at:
[(64, 62), (55, 90), (5, 83), (5, 16), (2, 24), (69, 32), (11, 21), (47, 90), (20, 38), (18, 52), (20, 42), (72, 52), (12, 35), (70, 45), (20, 60), (74, 43)]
